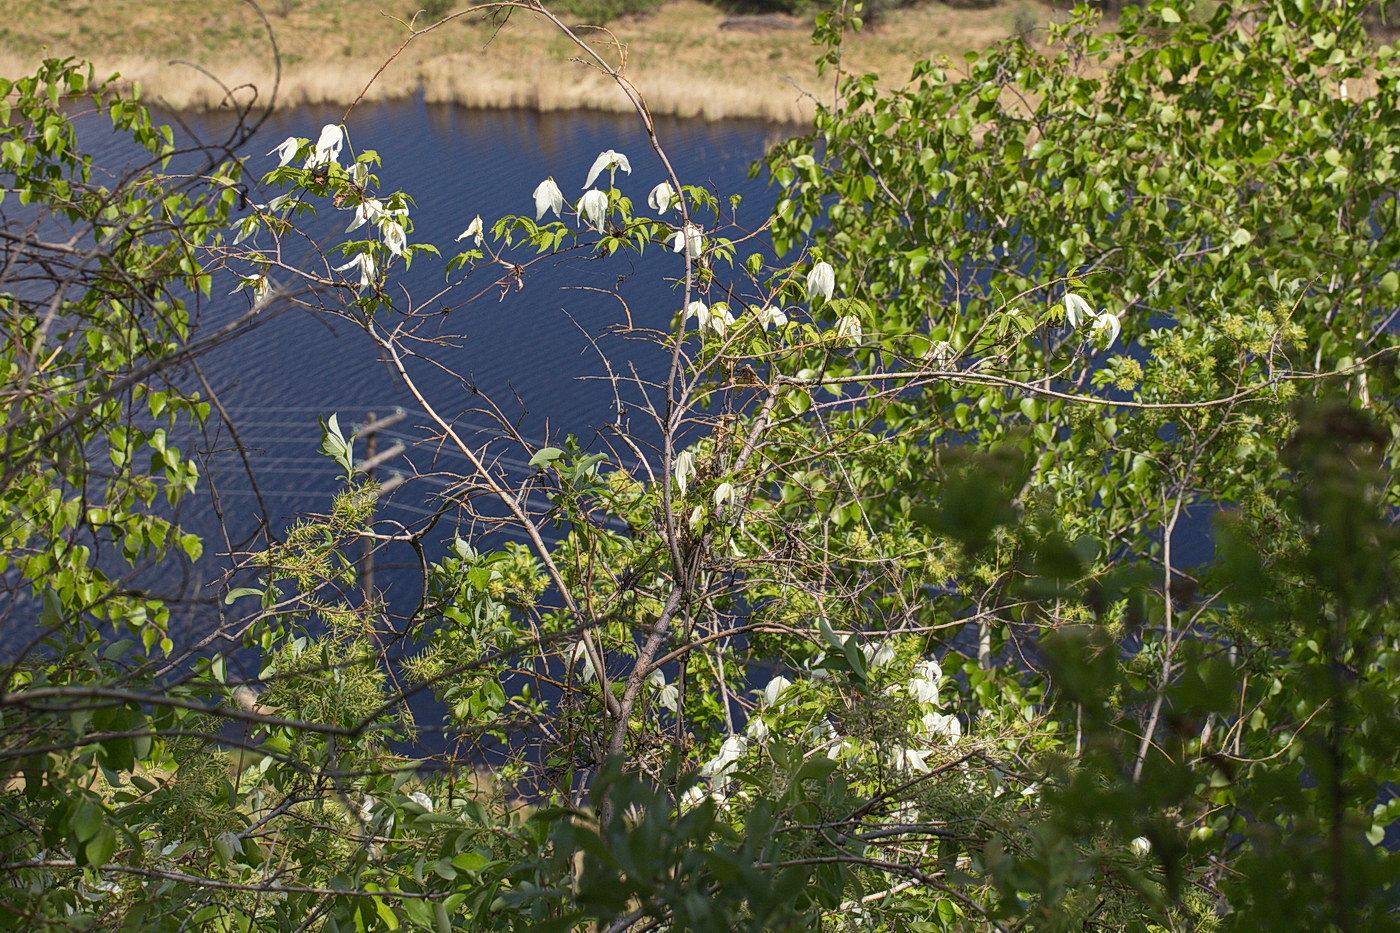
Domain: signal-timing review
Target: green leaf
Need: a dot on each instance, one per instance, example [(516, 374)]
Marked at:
[(545, 456)]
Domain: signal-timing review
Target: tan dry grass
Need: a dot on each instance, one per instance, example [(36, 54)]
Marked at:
[(679, 57)]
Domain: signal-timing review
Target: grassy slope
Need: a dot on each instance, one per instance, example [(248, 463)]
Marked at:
[(680, 57)]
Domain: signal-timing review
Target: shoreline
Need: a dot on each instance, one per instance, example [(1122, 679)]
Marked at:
[(687, 59)]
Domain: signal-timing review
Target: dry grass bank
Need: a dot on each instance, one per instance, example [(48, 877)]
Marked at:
[(685, 58)]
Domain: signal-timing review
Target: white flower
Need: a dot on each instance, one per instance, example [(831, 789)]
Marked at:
[(1108, 323), (548, 197), (757, 729), (940, 353), (717, 318), (1077, 310), (661, 196), (924, 681), (394, 237), (1078, 314), (691, 239), (878, 657), (1141, 845), (821, 282), (848, 328), (697, 516), (327, 147), (593, 208), (258, 283), (683, 468), (666, 694), (607, 160), (720, 318), (730, 752), (726, 495), (365, 263), (359, 173), (774, 691), (370, 209), (908, 759), (473, 230), (939, 726), (422, 799), (585, 662), (286, 150), (770, 315)]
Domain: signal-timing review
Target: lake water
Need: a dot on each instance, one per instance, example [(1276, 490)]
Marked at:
[(536, 353)]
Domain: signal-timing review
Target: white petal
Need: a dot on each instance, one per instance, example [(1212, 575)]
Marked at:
[(395, 238), (774, 691), (683, 468), (660, 197), (286, 150), (690, 238), (607, 159), (593, 208), (848, 328), (720, 318), (1109, 323), (821, 282), (473, 230), (422, 799), (328, 145), (770, 315), (548, 197), (1077, 310)]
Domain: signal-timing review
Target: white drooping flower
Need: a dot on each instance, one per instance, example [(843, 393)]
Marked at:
[(940, 726), (878, 657), (924, 681), (258, 283), (422, 799), (286, 150), (940, 353), (1141, 845), (1108, 323), (394, 237), (683, 468), (473, 230), (327, 149), (584, 661), (757, 729), (909, 759), (729, 753), (770, 315), (691, 239), (726, 496), (717, 318), (720, 317), (1077, 310), (661, 196), (774, 691), (848, 328), (1078, 313), (666, 694), (593, 208), (607, 160), (371, 210), (821, 282), (365, 263), (548, 197)]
